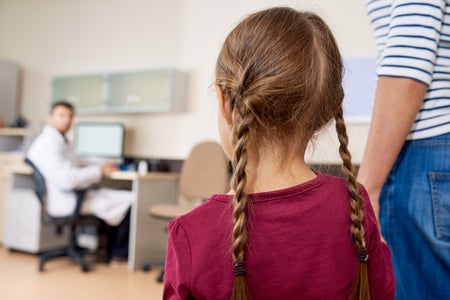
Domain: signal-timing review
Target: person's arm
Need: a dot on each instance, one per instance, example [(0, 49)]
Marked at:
[(406, 64), (397, 101), (177, 268)]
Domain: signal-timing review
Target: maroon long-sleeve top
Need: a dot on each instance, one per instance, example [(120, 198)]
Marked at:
[(299, 247)]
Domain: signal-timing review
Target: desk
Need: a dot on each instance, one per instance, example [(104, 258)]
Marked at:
[(147, 236)]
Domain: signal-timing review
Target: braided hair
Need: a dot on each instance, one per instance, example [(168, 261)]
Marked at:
[(281, 72)]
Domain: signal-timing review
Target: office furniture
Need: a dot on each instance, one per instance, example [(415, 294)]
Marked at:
[(72, 222), (83, 91), (147, 236), (13, 144), (204, 172), (9, 91), (157, 90), (23, 228)]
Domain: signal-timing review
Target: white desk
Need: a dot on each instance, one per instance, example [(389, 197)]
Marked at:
[(147, 236)]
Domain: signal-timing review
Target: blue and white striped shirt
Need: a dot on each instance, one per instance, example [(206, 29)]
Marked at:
[(413, 39)]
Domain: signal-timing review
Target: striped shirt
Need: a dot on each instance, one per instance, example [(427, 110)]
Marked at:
[(413, 40)]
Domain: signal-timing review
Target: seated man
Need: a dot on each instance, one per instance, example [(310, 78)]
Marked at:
[(53, 155)]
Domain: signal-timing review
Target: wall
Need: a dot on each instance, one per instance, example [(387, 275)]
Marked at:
[(9, 88), (58, 37)]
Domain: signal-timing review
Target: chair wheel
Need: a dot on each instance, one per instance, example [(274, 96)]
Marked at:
[(146, 267), (85, 268), (160, 277)]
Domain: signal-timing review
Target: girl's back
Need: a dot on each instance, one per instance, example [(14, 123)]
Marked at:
[(300, 246), (278, 83)]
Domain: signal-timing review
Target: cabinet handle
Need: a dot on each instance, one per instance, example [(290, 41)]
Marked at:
[(73, 98), (132, 99)]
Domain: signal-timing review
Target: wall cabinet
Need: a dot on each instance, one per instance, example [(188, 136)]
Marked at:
[(161, 90), (85, 92)]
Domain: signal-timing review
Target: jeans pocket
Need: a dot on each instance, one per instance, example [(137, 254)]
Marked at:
[(440, 195)]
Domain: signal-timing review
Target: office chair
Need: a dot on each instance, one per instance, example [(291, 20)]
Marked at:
[(203, 173), (73, 222)]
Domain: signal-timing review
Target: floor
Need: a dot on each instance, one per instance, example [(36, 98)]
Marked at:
[(62, 279)]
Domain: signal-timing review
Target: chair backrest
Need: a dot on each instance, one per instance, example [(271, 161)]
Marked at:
[(204, 172), (41, 192), (39, 182)]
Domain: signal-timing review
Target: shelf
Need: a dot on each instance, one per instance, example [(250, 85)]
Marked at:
[(16, 140), (8, 131)]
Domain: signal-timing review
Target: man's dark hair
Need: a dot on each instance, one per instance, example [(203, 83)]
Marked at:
[(63, 103)]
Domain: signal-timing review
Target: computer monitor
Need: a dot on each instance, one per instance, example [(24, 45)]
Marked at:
[(100, 140)]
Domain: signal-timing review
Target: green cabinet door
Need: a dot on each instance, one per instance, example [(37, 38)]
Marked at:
[(144, 91), (161, 90), (83, 91)]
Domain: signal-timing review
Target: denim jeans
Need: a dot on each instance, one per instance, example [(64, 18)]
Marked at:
[(415, 218)]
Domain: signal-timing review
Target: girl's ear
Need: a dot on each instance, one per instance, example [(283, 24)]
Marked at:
[(224, 105)]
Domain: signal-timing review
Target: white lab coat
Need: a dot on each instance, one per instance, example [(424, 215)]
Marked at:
[(64, 171)]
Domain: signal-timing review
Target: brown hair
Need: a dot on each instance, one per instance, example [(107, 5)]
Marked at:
[(281, 72), (62, 103)]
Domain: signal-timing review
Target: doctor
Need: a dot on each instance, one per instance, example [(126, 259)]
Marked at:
[(63, 171)]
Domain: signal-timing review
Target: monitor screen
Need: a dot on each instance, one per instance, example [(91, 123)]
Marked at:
[(100, 139)]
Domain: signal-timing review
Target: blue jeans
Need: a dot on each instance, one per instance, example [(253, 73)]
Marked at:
[(415, 218)]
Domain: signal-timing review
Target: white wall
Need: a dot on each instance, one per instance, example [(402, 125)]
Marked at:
[(56, 37)]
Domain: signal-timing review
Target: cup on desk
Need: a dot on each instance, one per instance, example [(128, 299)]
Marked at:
[(142, 167)]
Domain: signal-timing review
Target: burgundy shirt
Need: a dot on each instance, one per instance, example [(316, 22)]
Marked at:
[(299, 247)]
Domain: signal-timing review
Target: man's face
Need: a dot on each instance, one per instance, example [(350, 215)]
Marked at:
[(61, 118)]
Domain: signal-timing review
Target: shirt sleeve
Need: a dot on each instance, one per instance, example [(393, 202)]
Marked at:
[(67, 176), (52, 158), (177, 269), (380, 269), (412, 39)]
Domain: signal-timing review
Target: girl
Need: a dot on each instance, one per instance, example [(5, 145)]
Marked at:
[(283, 231)]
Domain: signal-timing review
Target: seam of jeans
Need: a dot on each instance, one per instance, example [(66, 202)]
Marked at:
[(434, 178)]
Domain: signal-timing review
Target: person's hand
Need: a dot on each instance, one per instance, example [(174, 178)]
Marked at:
[(375, 201), (108, 168)]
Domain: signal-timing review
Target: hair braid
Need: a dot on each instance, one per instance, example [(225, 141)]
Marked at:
[(242, 119), (281, 70), (361, 285)]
